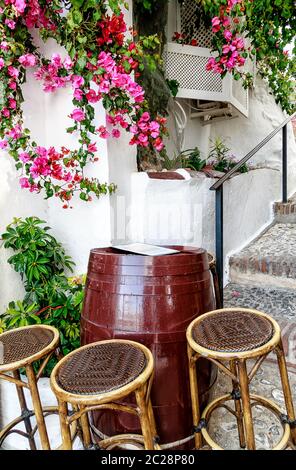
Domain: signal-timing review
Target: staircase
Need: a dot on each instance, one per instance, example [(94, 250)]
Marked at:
[(263, 274)]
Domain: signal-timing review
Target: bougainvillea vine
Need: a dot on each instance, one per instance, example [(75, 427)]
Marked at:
[(98, 66)]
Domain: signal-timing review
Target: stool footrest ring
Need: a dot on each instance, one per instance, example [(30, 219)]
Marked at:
[(8, 429), (258, 400)]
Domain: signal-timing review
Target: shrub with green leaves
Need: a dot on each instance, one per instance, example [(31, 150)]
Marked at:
[(221, 159), (50, 296)]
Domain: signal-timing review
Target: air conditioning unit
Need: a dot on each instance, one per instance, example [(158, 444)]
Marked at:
[(187, 64)]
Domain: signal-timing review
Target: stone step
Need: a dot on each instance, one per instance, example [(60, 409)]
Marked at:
[(285, 212), (270, 260)]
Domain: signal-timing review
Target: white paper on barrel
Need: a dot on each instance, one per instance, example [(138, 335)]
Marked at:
[(145, 249)]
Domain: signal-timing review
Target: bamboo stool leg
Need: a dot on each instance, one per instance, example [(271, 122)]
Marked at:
[(144, 418), (24, 411), (152, 420), (286, 389), (87, 440), (247, 410), (65, 428), (238, 408), (194, 397), (37, 407)]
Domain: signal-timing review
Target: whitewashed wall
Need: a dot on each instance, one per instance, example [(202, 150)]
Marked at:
[(183, 211)]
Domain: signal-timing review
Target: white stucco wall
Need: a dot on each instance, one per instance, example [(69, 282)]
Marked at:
[(183, 211)]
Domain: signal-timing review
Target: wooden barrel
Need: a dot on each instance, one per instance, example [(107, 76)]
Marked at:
[(151, 300)]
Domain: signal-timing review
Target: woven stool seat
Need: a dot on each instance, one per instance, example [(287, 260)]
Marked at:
[(101, 368), (20, 344), (232, 331)]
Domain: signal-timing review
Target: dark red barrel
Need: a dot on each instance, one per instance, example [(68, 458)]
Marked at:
[(151, 300)]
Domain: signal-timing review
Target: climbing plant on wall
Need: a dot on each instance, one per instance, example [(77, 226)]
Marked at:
[(269, 26), (98, 66)]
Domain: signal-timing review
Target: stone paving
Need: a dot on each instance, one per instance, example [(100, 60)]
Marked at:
[(268, 429), (271, 259), (276, 301)]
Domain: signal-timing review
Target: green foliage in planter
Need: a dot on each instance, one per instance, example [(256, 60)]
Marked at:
[(189, 158), (51, 297), (220, 157)]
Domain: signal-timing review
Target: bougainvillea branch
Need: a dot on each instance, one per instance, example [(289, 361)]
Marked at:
[(256, 28), (98, 65)]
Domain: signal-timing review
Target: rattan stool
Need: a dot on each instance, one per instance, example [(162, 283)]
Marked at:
[(233, 336), (95, 377), (20, 348)]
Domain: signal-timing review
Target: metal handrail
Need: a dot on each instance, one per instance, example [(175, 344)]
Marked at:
[(218, 188), (250, 154)]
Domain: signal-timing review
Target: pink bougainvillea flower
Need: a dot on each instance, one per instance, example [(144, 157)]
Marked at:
[(239, 43), (24, 157), (143, 126), (77, 81), (77, 114), (91, 96), (216, 24), (145, 117), (3, 144), (216, 20), (28, 60), (10, 23), (15, 133), (231, 3), (24, 182), (116, 133), (104, 86), (56, 60), (13, 72), (211, 63), (78, 94), (154, 129), (12, 103), (4, 46), (110, 119), (12, 85), (226, 21), (20, 5), (103, 133), (2, 63), (133, 129), (6, 112), (68, 64), (227, 34), (158, 144), (226, 49), (143, 139), (92, 148), (40, 167)]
